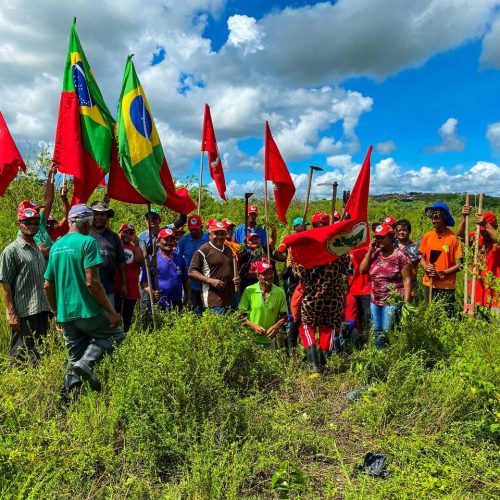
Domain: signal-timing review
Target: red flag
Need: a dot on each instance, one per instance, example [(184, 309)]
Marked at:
[(325, 244), (276, 171), (119, 188), (209, 144), (10, 158)]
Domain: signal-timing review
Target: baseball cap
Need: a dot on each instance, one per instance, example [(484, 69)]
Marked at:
[(126, 227), (80, 211), (262, 266), (29, 204), (253, 209), (228, 223), (217, 226), (100, 206), (27, 213), (251, 235), (389, 221), (490, 218), (383, 230), (321, 217), (166, 233), (298, 221), (194, 222)]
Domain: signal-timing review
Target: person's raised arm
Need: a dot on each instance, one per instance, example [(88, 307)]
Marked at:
[(48, 199), (180, 221), (460, 232), (364, 266)]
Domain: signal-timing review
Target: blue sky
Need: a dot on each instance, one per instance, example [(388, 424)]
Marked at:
[(418, 79)]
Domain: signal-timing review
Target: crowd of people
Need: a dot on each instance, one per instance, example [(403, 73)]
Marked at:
[(90, 279)]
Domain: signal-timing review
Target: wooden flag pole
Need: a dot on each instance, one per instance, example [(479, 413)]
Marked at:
[(266, 217), (150, 284), (476, 253), (312, 168), (200, 186), (235, 272), (466, 269), (153, 248)]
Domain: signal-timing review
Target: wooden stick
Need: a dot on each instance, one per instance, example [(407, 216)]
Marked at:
[(200, 186), (235, 272), (266, 217), (150, 285), (334, 200), (431, 287), (466, 269), (306, 204), (153, 248), (476, 253)]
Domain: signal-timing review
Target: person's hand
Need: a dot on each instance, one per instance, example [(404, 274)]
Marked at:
[(124, 291), (135, 240), (271, 333), (373, 245), (14, 321), (259, 330), (217, 284), (52, 172), (156, 294), (441, 274), (115, 319), (480, 220), (58, 326), (237, 281), (64, 193), (466, 210), (429, 269)]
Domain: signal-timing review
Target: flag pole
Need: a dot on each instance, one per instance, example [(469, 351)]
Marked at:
[(148, 277), (153, 247), (312, 168), (476, 252), (334, 199), (200, 186), (466, 269), (266, 217)]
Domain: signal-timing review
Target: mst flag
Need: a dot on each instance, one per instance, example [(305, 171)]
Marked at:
[(84, 126), (316, 247), (141, 174), (10, 158), (209, 144), (276, 171)]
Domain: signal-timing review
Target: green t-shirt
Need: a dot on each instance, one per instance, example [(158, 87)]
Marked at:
[(262, 312), (42, 236), (68, 259)]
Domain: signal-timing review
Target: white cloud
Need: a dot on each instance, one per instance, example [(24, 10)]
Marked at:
[(386, 148), (450, 139), (244, 32), (490, 53), (493, 135)]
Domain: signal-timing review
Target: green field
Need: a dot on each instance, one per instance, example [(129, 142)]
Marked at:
[(195, 411)]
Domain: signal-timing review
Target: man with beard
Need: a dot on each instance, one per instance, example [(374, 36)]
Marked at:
[(111, 250), (264, 306)]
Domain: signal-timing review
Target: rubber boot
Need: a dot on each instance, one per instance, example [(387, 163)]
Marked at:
[(72, 382), (312, 359), (83, 366)]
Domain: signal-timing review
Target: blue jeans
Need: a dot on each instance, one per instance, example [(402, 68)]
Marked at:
[(383, 318)]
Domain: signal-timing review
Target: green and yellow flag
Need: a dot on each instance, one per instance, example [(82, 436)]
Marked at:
[(140, 153)]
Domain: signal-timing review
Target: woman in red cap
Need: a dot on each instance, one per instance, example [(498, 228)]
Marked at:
[(389, 269), (487, 281), (320, 219)]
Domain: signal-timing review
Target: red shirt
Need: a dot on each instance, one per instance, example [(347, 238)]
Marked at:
[(132, 271), (359, 284)]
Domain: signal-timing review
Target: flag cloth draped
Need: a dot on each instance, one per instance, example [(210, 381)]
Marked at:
[(316, 247), (84, 127), (139, 172), (10, 158), (275, 170), (209, 144)]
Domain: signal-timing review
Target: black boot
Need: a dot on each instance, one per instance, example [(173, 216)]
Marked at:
[(72, 383), (312, 359), (83, 366)]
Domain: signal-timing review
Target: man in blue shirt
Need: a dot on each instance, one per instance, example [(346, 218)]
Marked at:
[(239, 233), (187, 246)]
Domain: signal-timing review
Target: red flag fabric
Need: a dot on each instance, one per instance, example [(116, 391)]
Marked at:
[(119, 188), (320, 246), (209, 144), (276, 171), (10, 158)]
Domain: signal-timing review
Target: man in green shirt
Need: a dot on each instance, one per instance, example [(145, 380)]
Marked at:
[(264, 306), (90, 325)]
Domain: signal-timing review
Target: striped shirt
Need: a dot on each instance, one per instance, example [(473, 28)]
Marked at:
[(22, 267)]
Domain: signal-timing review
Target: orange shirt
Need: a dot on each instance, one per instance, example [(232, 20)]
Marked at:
[(449, 246)]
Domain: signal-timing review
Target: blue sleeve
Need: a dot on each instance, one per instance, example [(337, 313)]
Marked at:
[(238, 234), (180, 247)]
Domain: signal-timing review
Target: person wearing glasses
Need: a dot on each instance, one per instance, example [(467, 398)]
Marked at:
[(22, 265)]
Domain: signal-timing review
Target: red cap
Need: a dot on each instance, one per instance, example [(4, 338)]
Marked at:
[(390, 221), (262, 266), (253, 209), (194, 222), (166, 233), (383, 230), (228, 223), (490, 218), (27, 213), (251, 235), (217, 226), (322, 217), (29, 204), (126, 227)]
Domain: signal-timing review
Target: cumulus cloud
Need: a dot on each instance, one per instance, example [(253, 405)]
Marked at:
[(386, 148), (493, 135), (490, 53), (245, 33), (450, 139)]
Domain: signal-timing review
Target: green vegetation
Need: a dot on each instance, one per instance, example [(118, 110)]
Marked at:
[(196, 411)]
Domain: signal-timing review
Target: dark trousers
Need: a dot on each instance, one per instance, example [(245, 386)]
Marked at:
[(23, 341), (364, 312), (125, 307), (198, 306), (444, 294)]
